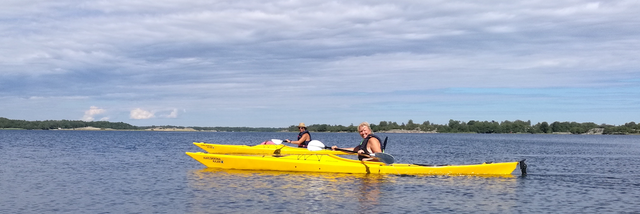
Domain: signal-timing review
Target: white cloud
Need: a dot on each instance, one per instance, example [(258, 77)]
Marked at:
[(140, 114), (173, 114), (93, 110)]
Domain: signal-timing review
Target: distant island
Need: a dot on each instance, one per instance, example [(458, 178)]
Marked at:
[(454, 126)]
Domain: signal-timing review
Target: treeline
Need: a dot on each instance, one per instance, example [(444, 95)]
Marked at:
[(454, 126), (228, 129), (61, 124), (73, 124), (486, 127), (239, 129)]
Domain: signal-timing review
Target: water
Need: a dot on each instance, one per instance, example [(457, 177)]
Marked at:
[(148, 172)]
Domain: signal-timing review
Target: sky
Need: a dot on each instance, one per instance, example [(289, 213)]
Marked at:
[(278, 63)]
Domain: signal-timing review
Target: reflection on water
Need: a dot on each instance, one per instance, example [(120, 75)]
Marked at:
[(306, 191), (316, 192), (369, 192)]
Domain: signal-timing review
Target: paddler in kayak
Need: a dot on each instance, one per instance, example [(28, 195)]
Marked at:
[(370, 143), (303, 137)]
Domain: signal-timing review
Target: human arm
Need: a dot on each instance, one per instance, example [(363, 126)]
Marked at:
[(373, 146), (305, 137), (336, 147)]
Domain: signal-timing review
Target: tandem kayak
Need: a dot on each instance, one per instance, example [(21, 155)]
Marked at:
[(335, 164), (262, 149)]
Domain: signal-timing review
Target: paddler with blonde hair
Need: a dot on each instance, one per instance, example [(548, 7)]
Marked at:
[(303, 137), (370, 143)]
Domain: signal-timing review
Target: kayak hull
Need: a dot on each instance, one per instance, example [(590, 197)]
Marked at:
[(261, 149), (335, 164)]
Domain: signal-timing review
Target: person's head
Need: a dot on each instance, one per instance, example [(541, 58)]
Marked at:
[(364, 129), (302, 127)]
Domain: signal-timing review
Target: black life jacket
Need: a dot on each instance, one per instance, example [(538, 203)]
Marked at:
[(304, 144), (365, 142)]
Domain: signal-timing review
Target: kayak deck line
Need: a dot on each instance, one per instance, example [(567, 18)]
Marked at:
[(335, 164), (261, 149)]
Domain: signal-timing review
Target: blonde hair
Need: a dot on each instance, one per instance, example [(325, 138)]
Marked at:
[(365, 124)]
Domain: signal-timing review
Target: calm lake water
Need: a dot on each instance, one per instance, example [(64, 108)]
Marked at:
[(148, 172)]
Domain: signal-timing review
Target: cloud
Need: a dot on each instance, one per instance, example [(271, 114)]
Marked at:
[(173, 114), (93, 111), (140, 114), (168, 113)]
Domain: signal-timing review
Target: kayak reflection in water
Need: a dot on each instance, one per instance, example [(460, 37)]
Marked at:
[(303, 137), (369, 192), (370, 143)]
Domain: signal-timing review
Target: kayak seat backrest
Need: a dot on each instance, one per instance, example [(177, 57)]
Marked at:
[(384, 145)]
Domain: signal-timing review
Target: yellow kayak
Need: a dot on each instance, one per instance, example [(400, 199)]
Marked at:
[(262, 149), (335, 164)]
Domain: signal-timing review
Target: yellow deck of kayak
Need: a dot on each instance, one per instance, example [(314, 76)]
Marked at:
[(335, 164), (261, 149)]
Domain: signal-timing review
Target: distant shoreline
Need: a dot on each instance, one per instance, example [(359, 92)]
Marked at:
[(454, 126), (394, 131)]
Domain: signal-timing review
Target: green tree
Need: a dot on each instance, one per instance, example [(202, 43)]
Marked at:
[(544, 127), (412, 126)]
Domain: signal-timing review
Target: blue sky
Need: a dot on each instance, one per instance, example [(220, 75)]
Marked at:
[(279, 63)]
